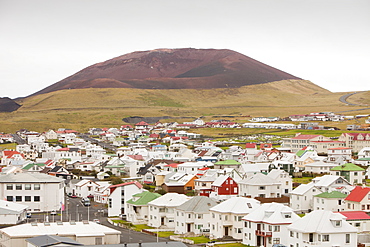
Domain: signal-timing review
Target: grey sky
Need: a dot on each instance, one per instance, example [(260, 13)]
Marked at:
[(44, 41)]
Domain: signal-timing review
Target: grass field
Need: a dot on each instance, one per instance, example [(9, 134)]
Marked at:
[(82, 109)]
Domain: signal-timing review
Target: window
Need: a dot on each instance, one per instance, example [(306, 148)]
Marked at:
[(36, 186), (291, 233), (276, 228), (18, 198), (9, 187), (357, 224), (325, 238), (27, 198), (9, 198), (348, 240), (276, 240), (262, 188), (27, 186), (18, 187), (240, 230), (109, 202)]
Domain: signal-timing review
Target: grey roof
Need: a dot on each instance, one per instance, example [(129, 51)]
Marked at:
[(153, 244), (50, 240), (28, 177), (198, 204)]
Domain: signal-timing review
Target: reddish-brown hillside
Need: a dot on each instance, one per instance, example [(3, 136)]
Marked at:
[(173, 69)]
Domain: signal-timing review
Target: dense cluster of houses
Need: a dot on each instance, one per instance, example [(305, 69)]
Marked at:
[(241, 192)]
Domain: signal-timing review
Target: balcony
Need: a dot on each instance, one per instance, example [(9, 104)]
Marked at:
[(263, 234)]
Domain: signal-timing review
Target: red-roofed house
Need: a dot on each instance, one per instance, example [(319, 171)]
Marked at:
[(142, 126), (250, 145), (319, 142), (358, 219), (356, 141), (119, 195), (358, 199), (9, 157)]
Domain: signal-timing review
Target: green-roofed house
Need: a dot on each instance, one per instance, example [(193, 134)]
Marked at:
[(33, 167), (137, 207), (332, 201), (351, 172), (227, 164)]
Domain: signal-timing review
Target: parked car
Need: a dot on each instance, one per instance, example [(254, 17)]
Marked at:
[(96, 221), (28, 215), (53, 212)]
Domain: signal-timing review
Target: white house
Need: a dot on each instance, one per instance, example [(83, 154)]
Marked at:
[(138, 209), (162, 210), (33, 190), (267, 225), (330, 201), (193, 215), (260, 185), (12, 213), (322, 228), (226, 217), (119, 195)]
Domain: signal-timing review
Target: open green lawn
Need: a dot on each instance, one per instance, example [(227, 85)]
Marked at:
[(304, 180), (199, 240), (165, 234)]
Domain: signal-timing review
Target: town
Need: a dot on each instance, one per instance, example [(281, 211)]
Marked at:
[(74, 188)]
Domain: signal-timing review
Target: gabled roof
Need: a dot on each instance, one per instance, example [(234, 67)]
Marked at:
[(170, 200), (358, 193), (272, 213), (142, 123), (259, 179), (355, 215), (197, 204), (333, 194), (9, 154), (127, 183), (143, 198), (29, 166), (321, 222), (347, 167), (220, 180), (236, 205)]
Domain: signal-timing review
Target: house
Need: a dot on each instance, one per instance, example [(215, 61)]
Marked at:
[(267, 225), (84, 188), (31, 189), (180, 183), (340, 155), (83, 232), (224, 187), (10, 157), (322, 228), (282, 177), (302, 197), (194, 216), (119, 195), (358, 199), (320, 143), (358, 219), (12, 213), (203, 185), (356, 141), (351, 172), (260, 185), (138, 209), (319, 167), (331, 201), (162, 210), (226, 217), (116, 166)]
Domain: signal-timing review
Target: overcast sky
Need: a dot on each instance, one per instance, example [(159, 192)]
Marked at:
[(44, 41)]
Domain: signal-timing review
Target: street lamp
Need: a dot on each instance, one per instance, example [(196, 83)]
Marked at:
[(67, 209)]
